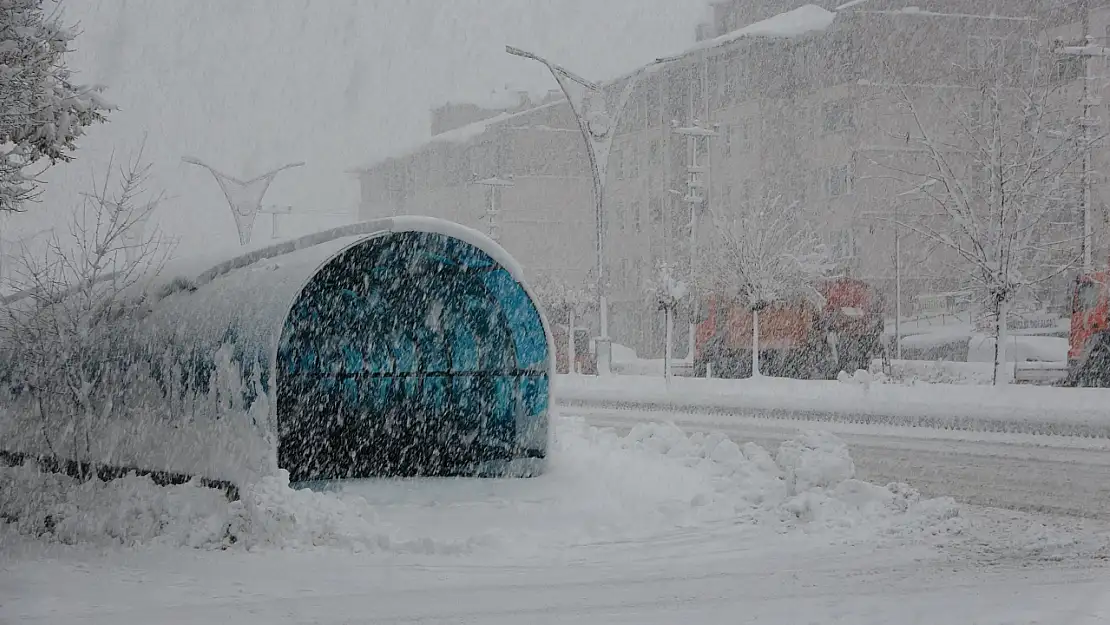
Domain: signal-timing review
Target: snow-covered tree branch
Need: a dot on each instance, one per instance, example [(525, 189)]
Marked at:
[(42, 113), (67, 335), (999, 167), (566, 303), (764, 250)]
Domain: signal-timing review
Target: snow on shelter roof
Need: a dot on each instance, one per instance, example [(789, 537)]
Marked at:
[(198, 298), (258, 285)]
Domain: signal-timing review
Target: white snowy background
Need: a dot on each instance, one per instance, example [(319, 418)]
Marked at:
[(252, 84)]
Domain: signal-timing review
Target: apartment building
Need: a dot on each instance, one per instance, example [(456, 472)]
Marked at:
[(809, 117)]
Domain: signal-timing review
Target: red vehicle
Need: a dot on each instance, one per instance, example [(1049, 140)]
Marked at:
[(1089, 341), (796, 338)]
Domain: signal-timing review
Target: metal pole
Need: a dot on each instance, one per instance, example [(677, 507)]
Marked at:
[(897, 287), (1088, 234), (495, 184), (598, 126)]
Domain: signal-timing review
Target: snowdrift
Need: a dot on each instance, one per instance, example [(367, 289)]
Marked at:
[(602, 488)]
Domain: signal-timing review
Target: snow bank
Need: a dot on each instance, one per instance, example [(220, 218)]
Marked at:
[(938, 372), (1019, 349), (134, 511), (1014, 408), (602, 488), (808, 484)]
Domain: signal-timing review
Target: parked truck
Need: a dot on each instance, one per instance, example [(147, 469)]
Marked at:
[(797, 338), (1089, 338)]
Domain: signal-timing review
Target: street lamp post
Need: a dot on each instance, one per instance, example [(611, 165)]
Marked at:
[(495, 185), (597, 120), (244, 196), (696, 199)]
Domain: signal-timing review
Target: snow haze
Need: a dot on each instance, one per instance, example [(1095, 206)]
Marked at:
[(253, 84)]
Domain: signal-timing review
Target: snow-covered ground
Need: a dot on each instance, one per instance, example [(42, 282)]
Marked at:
[(656, 526), (863, 398)]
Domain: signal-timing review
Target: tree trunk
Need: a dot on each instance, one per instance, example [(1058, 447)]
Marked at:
[(755, 343), (1001, 338), (571, 356), (667, 348)]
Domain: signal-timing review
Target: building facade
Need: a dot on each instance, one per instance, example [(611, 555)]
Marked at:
[(808, 117)]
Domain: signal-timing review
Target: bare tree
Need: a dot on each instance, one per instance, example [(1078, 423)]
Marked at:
[(764, 251), (67, 328), (668, 292), (999, 164)]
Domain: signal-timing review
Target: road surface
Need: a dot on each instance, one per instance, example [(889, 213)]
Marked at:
[(1031, 473)]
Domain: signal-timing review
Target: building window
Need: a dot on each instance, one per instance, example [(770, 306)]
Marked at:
[(1067, 66), (637, 208), (619, 216), (838, 181), (632, 167), (615, 164), (653, 151), (843, 245), (984, 52), (655, 211), (839, 116), (1030, 55), (726, 140)]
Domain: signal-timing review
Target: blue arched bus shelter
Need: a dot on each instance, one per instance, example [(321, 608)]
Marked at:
[(397, 347)]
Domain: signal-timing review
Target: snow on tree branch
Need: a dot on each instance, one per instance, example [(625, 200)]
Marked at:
[(561, 297), (666, 288), (999, 170), (42, 114), (764, 250)]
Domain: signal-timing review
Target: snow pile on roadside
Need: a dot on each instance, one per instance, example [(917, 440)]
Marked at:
[(809, 483), (601, 487), (135, 511), (861, 378), (270, 513), (128, 511)]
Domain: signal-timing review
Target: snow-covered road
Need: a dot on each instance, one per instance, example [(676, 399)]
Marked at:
[(707, 576), (657, 526), (1055, 474)]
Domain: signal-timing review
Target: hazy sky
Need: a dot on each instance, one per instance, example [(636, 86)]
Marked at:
[(248, 85)]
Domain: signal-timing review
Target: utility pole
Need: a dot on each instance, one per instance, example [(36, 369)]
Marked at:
[(1087, 49), (897, 285), (495, 185), (597, 120), (695, 198), (273, 212)]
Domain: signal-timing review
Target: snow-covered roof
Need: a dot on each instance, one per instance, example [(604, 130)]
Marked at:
[(461, 134), (800, 21), (918, 11)]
